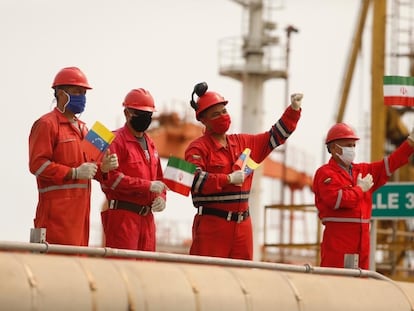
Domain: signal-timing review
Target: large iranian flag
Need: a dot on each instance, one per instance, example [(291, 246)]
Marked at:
[(179, 175), (398, 90)]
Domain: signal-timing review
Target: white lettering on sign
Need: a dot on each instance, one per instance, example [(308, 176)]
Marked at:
[(410, 199), (389, 202), (392, 201)]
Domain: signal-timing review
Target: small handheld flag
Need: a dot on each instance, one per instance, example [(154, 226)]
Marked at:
[(241, 162), (245, 162), (97, 141), (398, 90), (179, 175), (250, 166)]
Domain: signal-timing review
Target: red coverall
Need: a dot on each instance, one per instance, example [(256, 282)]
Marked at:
[(131, 182), (345, 209), (64, 205), (212, 235)]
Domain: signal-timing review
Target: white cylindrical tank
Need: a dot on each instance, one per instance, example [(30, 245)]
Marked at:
[(55, 282)]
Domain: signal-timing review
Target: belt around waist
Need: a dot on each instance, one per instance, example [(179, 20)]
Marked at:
[(142, 210), (229, 216)]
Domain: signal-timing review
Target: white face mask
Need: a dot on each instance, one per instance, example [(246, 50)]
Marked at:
[(348, 154)]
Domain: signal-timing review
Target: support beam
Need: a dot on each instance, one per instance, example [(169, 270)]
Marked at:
[(349, 71)]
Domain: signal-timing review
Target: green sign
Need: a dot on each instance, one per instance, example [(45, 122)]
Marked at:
[(393, 200)]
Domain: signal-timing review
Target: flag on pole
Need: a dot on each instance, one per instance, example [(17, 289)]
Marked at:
[(398, 90), (179, 175), (97, 141)]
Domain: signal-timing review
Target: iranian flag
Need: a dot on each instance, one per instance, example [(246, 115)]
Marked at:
[(398, 91), (179, 175)]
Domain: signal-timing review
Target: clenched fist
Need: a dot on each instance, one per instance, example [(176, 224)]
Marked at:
[(296, 101)]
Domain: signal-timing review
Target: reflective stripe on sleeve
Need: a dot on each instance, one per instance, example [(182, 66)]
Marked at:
[(60, 187), (199, 181), (338, 199), (42, 168), (281, 130), (387, 166), (273, 141), (117, 181), (345, 219)]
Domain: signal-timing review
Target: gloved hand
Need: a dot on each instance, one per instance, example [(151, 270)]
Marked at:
[(157, 186), (109, 162), (365, 183), (296, 101), (84, 171), (158, 205), (237, 177)]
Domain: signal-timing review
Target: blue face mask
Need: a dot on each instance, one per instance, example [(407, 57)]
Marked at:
[(76, 103)]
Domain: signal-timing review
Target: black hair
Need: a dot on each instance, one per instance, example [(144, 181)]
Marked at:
[(199, 89), (327, 147)]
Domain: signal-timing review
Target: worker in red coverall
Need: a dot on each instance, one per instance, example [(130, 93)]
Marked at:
[(220, 193), (135, 190), (343, 195), (63, 170)]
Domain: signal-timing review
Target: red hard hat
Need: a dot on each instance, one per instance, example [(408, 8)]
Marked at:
[(340, 131), (207, 100), (71, 76), (139, 99)]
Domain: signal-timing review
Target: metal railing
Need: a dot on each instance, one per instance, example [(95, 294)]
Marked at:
[(44, 248), (311, 243)]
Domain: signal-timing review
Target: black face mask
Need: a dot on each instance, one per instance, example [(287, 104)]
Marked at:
[(141, 122)]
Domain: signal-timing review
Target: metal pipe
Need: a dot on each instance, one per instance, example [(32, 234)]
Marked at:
[(179, 258)]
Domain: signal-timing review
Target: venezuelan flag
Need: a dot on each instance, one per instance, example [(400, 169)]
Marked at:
[(241, 162), (245, 162), (97, 141), (251, 165)]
